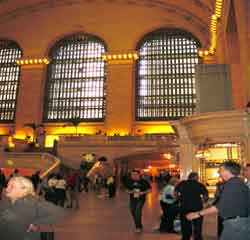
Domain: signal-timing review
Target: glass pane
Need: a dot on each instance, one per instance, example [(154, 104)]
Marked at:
[(166, 75), (76, 80), (9, 79)]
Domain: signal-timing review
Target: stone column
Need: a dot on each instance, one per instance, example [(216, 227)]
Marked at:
[(120, 98), (188, 162), (30, 95)]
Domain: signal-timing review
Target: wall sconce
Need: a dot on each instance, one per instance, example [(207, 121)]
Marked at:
[(120, 58), (40, 61)]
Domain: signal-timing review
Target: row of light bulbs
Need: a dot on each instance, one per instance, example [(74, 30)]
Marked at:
[(105, 57), (213, 29), (33, 61), (126, 56)]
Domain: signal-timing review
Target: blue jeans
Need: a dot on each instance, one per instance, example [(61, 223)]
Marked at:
[(236, 229)]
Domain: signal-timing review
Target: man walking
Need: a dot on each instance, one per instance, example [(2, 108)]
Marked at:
[(138, 189), (233, 205), (192, 194)]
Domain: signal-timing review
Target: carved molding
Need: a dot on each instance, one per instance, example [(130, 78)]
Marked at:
[(218, 127)]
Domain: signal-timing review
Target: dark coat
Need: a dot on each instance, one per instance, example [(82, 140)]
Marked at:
[(15, 218)]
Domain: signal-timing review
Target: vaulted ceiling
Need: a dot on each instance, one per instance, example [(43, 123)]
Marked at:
[(193, 13), (197, 11)]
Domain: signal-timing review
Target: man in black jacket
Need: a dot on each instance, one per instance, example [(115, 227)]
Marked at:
[(137, 189), (192, 194)]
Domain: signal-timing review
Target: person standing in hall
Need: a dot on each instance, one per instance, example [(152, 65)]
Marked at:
[(247, 175), (169, 206), (219, 189), (192, 194), (233, 205), (137, 188), (2, 182)]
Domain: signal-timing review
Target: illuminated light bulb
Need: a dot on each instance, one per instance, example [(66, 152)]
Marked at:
[(206, 53), (120, 56), (40, 60), (130, 55), (31, 61), (114, 56), (35, 61), (109, 57), (26, 61), (18, 62), (200, 53), (136, 56), (22, 62), (104, 57), (125, 56), (214, 17)]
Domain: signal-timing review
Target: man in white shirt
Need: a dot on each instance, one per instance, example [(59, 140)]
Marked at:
[(247, 174)]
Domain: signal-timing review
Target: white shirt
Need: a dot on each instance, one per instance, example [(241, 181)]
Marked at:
[(61, 184)]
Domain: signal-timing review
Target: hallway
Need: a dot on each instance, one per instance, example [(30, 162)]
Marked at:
[(107, 219)]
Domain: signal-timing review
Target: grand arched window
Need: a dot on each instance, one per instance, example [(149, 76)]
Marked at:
[(165, 87), (75, 86), (9, 79)]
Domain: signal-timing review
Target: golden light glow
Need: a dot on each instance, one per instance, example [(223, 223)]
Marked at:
[(167, 156), (49, 140), (71, 130), (120, 58), (172, 166), (9, 162), (120, 132), (32, 61), (21, 136), (166, 129), (213, 29)]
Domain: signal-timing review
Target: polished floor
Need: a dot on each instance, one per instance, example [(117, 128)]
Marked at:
[(109, 219)]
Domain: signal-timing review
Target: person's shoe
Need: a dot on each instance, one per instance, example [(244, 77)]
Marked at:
[(138, 230)]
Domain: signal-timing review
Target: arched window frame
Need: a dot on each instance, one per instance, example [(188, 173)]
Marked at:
[(10, 73), (64, 42), (170, 112)]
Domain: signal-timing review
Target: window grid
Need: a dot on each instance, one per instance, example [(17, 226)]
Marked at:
[(76, 80), (9, 79), (166, 76)]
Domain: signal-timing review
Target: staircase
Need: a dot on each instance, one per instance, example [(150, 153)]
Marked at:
[(28, 163)]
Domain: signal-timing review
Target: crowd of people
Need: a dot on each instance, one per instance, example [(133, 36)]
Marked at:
[(33, 204), (186, 200)]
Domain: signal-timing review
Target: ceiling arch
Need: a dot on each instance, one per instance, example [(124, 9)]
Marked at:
[(193, 10), (191, 15)]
